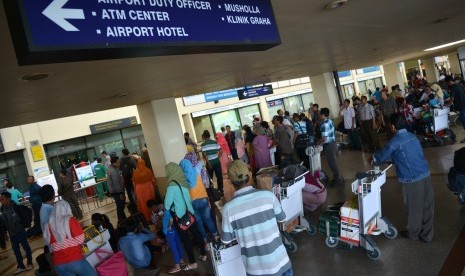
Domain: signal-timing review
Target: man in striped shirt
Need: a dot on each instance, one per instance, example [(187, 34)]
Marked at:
[(251, 218), (211, 152)]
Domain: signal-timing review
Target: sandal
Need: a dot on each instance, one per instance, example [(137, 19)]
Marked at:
[(190, 267), (174, 270), (203, 258)]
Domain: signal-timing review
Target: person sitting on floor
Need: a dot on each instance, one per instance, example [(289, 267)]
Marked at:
[(101, 220), (133, 246)]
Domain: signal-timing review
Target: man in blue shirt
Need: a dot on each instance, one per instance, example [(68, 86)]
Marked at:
[(328, 140), (133, 245), (412, 170), (36, 203)]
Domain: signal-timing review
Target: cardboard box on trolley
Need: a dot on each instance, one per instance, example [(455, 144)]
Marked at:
[(350, 222)]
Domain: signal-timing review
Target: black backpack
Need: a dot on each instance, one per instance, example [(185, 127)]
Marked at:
[(25, 214), (127, 166)]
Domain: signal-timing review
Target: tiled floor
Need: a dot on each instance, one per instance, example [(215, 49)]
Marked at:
[(398, 257)]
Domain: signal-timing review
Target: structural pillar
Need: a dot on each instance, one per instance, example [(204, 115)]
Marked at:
[(163, 135), (34, 153), (454, 64), (430, 69), (325, 93), (393, 75)]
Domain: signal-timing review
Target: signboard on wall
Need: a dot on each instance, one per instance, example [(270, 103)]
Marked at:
[(113, 125), (37, 153), (220, 95), (253, 92), (49, 31), (85, 176)]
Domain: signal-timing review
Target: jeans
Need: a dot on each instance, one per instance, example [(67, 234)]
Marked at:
[(81, 267), (219, 174), (119, 206), (16, 240), (175, 244), (462, 118), (202, 216), (36, 229), (288, 272), (187, 241)]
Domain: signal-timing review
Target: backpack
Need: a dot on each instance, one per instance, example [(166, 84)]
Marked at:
[(25, 214)]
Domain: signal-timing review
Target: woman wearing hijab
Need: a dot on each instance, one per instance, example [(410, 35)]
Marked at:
[(144, 187), (240, 147), (261, 150), (65, 236), (199, 167), (199, 200), (178, 201), (224, 158)]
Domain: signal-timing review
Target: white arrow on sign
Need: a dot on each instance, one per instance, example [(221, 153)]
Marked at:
[(57, 14)]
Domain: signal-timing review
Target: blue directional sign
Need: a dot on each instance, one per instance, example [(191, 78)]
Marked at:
[(254, 92), (147, 27)]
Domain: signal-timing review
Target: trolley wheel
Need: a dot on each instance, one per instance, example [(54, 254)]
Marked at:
[(311, 230), (331, 242), (375, 254), (291, 247), (461, 198), (391, 233)]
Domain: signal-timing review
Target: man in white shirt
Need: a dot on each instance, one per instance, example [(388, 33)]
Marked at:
[(348, 114)]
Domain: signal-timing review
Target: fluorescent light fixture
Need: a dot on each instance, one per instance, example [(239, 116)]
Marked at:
[(445, 45)]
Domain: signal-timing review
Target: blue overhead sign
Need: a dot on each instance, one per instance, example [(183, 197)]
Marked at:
[(149, 27), (220, 95), (254, 92)]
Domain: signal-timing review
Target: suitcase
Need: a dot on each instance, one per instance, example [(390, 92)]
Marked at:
[(330, 223)]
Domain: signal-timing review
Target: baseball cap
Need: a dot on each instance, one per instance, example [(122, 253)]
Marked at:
[(5, 178), (238, 172)]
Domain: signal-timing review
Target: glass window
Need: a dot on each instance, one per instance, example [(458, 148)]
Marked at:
[(200, 124), (362, 87), (274, 106), (132, 132), (294, 104), (14, 167), (225, 118), (246, 115), (379, 82), (65, 147), (132, 145), (348, 90), (103, 138), (307, 99), (371, 85)]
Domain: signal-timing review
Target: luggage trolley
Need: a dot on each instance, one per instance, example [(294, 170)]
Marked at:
[(442, 134), (289, 194), (314, 156), (227, 259), (358, 230)]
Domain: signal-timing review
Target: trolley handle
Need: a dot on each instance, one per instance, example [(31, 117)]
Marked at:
[(362, 175)]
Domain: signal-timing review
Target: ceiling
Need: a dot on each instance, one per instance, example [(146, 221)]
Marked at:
[(361, 33)]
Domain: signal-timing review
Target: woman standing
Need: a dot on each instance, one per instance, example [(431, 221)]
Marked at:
[(261, 150), (199, 200), (248, 139), (224, 158), (66, 191), (65, 236), (144, 187), (178, 202), (240, 147)]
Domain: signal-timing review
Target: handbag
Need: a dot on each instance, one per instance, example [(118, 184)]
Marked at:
[(90, 233), (186, 221), (114, 266), (92, 239), (302, 141)]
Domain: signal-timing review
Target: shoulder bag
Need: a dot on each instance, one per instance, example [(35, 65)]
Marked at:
[(301, 142), (186, 221)]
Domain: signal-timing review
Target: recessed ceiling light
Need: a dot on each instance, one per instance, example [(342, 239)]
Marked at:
[(335, 4), (34, 77), (445, 45)]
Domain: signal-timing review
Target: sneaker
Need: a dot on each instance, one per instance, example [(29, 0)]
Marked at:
[(29, 267), (19, 270)]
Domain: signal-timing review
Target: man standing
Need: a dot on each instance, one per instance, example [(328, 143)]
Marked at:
[(412, 170), (251, 218), (457, 97), (66, 191), (231, 139), (368, 124), (211, 152), (116, 187), (100, 175), (94, 163), (36, 203), (376, 96), (328, 140), (348, 115), (106, 159), (315, 116), (18, 236), (283, 142), (128, 166), (387, 106)]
